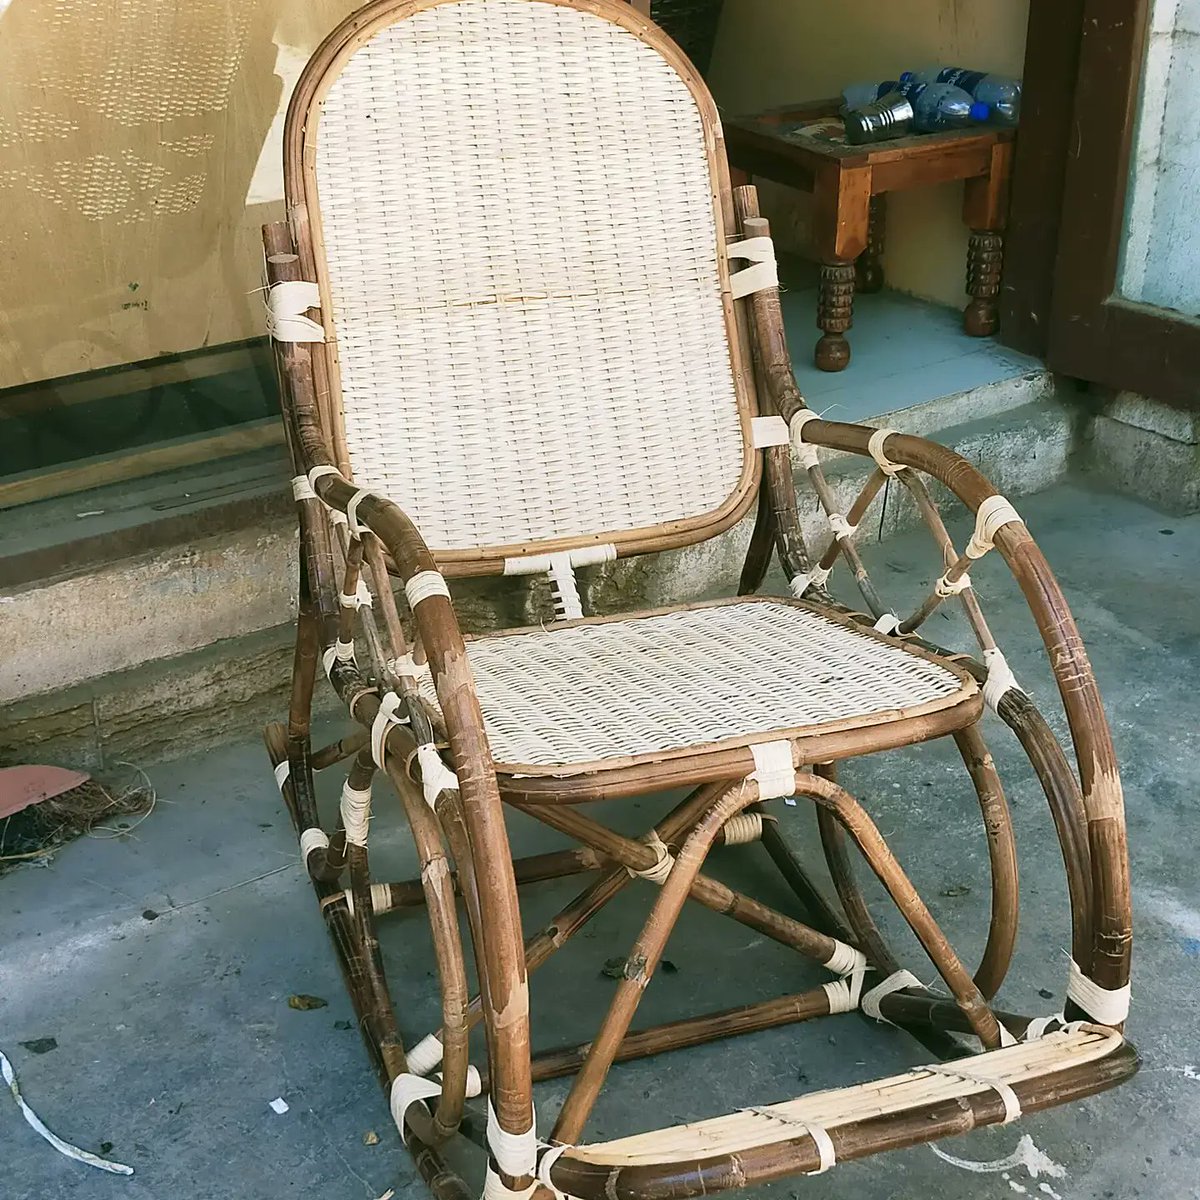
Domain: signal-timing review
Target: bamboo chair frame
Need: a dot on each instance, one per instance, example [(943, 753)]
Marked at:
[(454, 802)]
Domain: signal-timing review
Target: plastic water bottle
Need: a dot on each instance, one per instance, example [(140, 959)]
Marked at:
[(859, 95), (1001, 94), (941, 106)]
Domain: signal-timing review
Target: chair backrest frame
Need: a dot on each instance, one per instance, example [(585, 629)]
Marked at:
[(303, 210)]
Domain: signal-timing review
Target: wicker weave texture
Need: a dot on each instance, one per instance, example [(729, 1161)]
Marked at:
[(521, 252), (732, 673)]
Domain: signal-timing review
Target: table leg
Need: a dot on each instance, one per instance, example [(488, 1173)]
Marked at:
[(835, 314), (868, 269), (985, 258), (841, 218), (985, 206)]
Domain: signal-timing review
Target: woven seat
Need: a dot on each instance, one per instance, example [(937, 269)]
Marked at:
[(657, 685)]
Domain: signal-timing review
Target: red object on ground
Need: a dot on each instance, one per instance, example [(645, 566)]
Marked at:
[(22, 786)]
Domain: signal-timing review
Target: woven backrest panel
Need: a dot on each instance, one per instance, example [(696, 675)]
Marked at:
[(516, 231)]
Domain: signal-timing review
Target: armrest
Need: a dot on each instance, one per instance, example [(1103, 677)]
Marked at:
[(998, 524)]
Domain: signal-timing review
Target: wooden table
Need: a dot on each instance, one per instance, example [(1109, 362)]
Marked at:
[(802, 145)]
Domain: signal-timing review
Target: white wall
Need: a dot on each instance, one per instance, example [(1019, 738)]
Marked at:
[(773, 52)]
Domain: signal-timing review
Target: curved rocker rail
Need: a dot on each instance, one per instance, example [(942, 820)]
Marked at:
[(771, 1141)]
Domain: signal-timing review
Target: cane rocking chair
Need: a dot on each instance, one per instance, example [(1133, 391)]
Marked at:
[(524, 326)]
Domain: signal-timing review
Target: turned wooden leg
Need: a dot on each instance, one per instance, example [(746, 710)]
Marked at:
[(868, 270), (835, 314), (985, 258)]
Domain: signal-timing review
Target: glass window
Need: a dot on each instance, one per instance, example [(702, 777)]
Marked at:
[(140, 145)]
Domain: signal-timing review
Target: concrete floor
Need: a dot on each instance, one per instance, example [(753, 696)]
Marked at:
[(161, 962), (904, 352)]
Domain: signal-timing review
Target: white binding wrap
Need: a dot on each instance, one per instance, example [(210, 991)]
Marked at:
[(567, 603), (423, 585), (769, 431), (320, 471), (385, 719), (1000, 679), (951, 587), (302, 489), (515, 1153), (762, 274), (312, 839), (851, 965), (409, 1089), (282, 771), (803, 451), (426, 1055), (381, 902), (875, 449), (356, 813), (361, 598), (773, 770), (357, 529), (842, 529), (743, 829), (408, 666), (994, 512), (473, 1082), (286, 305), (339, 652), (1040, 1026), (818, 1133), (817, 577), (888, 624), (662, 864), (1105, 1006), (581, 556), (959, 1070), (547, 1158), (895, 982), (436, 777)]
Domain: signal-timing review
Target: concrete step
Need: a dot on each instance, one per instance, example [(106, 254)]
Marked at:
[(152, 654)]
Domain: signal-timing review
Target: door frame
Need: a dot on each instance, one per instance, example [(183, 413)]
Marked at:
[(1039, 173), (1071, 312)]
